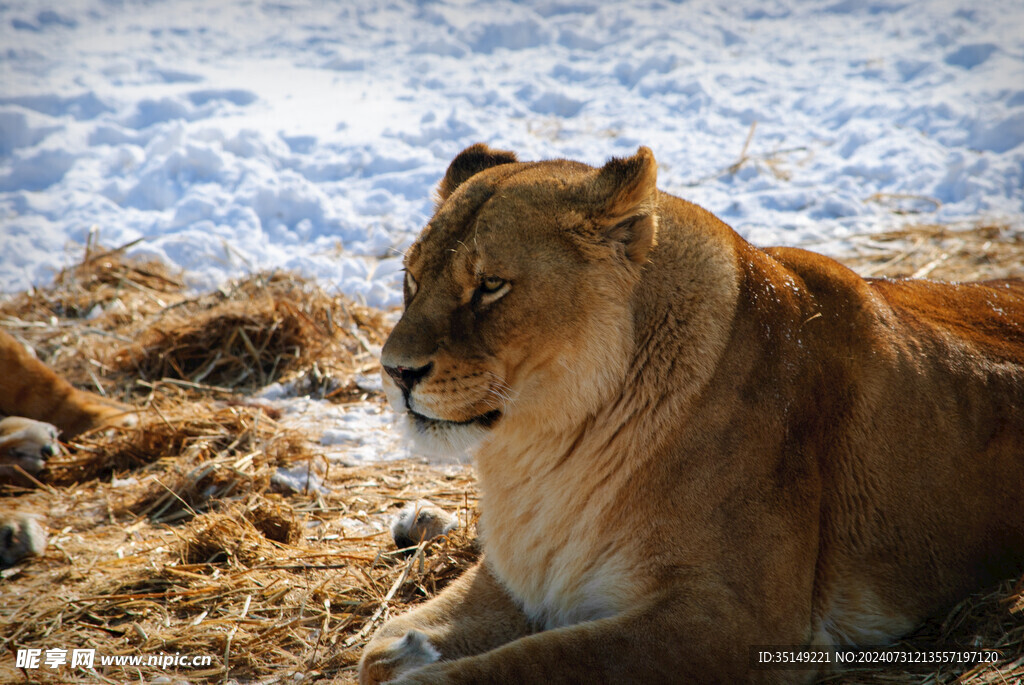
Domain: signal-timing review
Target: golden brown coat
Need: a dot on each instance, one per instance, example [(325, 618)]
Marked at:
[(687, 445)]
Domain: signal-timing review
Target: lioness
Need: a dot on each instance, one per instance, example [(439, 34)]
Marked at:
[(686, 445)]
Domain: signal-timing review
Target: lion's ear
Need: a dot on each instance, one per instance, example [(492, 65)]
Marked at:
[(623, 199), (470, 162)]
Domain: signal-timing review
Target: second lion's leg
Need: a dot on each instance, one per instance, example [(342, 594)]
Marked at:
[(471, 616)]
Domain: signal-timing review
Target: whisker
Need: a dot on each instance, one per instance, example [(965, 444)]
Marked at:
[(500, 389)]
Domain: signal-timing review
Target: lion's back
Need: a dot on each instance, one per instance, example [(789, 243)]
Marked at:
[(987, 316)]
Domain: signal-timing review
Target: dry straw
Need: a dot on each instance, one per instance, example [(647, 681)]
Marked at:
[(171, 537), (971, 253)]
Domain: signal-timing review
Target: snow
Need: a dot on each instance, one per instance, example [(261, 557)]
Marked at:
[(238, 135), (298, 478)]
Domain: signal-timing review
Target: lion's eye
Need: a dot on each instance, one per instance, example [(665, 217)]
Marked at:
[(490, 290), (492, 284), (411, 286)]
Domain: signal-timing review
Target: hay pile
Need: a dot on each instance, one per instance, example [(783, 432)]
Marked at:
[(173, 538), (204, 559), (972, 253), (123, 327), (190, 550), (104, 277), (260, 329)]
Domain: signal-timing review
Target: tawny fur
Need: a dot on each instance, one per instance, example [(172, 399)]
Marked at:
[(686, 445), (28, 388)]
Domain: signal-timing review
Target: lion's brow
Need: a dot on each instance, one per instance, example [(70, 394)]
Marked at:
[(458, 213), (450, 240)]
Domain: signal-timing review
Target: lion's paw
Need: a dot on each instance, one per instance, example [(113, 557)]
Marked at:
[(21, 536), (408, 653), (421, 520), (26, 443)]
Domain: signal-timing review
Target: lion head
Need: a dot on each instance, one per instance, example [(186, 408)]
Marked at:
[(517, 295)]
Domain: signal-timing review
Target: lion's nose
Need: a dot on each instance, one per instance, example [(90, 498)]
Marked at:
[(406, 377), (48, 451)]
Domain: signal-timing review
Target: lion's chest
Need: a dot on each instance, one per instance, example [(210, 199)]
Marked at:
[(546, 550)]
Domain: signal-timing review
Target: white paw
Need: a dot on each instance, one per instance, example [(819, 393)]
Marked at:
[(414, 650), (21, 535), (419, 521), (27, 443), (398, 659), (410, 653)]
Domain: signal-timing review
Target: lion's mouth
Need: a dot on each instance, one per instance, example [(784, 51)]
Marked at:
[(484, 420)]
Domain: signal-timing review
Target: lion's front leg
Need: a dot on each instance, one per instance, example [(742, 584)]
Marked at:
[(671, 639), (471, 616)]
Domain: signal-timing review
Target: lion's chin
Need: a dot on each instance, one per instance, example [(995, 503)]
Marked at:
[(449, 439), (484, 420)]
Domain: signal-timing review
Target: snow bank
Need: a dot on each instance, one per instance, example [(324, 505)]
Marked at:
[(234, 136)]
